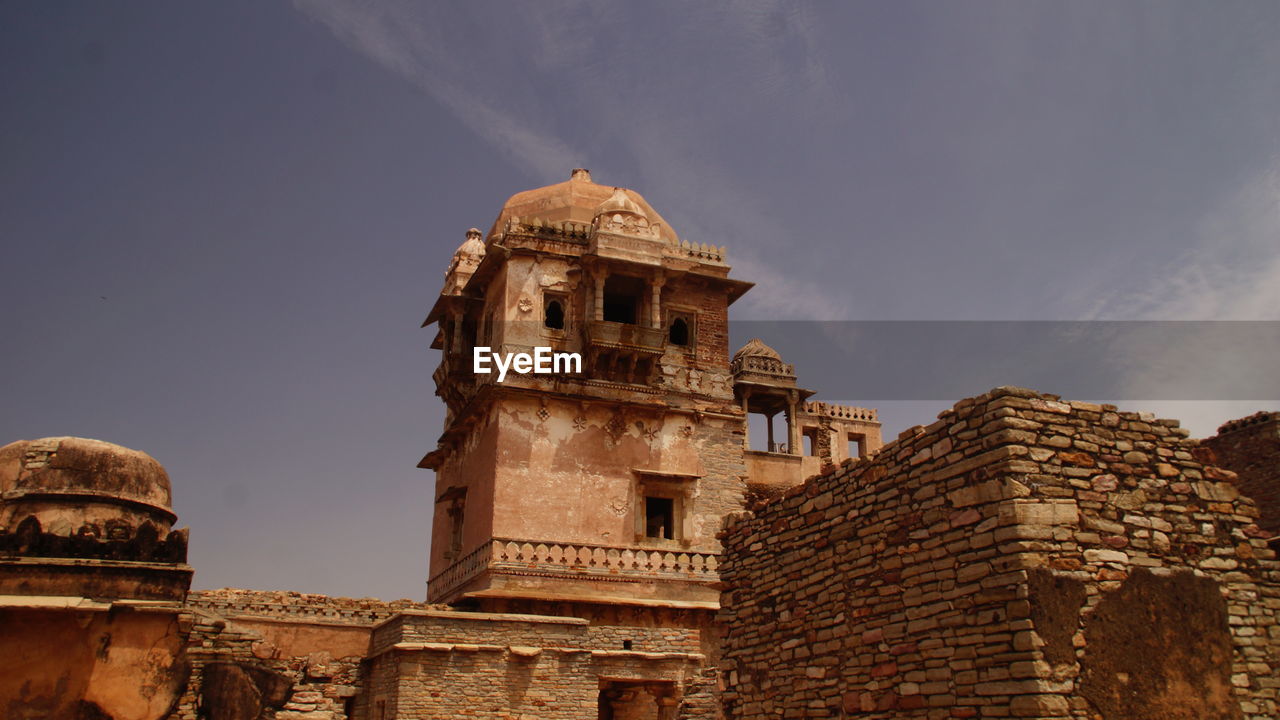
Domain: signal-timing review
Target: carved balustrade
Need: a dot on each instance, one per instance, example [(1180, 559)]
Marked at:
[(574, 560), (627, 336), (757, 364)]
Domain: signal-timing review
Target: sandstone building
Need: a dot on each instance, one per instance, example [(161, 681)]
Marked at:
[(615, 541), (598, 494)]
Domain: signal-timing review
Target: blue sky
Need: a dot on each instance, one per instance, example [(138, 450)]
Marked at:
[(223, 222)]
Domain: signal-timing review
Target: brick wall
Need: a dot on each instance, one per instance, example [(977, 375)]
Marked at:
[(1020, 557), (711, 333)]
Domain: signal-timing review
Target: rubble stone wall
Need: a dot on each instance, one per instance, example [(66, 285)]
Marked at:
[(288, 655), (237, 673), (1250, 447), (295, 605), (486, 665), (1022, 557)]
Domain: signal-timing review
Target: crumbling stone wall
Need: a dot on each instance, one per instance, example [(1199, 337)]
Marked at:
[(1250, 447), (1022, 557), (283, 604), (485, 665), (237, 674), (284, 655)]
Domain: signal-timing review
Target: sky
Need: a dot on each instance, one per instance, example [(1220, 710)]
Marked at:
[(224, 222)]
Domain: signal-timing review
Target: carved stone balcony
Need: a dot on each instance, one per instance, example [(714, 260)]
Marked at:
[(624, 353), (626, 337), (770, 371), (561, 563)]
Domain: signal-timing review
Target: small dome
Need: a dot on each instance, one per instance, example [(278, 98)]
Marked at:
[(756, 348), (472, 246), (83, 468), (619, 202)]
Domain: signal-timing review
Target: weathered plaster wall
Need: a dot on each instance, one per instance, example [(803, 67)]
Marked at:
[(470, 468), (123, 664), (566, 469), (1020, 557)]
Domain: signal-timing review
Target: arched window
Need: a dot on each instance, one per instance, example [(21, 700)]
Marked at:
[(553, 315), (678, 333)]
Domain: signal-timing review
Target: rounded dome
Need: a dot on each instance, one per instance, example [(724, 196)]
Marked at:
[(619, 202), (83, 468), (756, 348), (472, 246), (579, 200)]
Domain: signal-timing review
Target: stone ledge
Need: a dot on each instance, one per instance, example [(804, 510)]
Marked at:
[(73, 602)]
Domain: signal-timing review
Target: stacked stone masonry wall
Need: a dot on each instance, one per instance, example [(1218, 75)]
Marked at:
[(1020, 557), (1250, 447), (485, 665), (235, 666), (288, 605)]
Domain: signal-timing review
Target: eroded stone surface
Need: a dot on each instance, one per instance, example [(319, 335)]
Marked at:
[(1159, 647)]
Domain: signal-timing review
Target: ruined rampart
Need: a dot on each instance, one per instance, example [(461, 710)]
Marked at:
[(1021, 557), (1250, 447), (489, 665), (287, 605)]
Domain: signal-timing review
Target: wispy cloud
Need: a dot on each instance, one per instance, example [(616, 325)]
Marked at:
[(1232, 273), (559, 85), (413, 40)]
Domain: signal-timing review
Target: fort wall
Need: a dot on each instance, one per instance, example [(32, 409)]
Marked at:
[(489, 665), (1250, 447), (1022, 557)]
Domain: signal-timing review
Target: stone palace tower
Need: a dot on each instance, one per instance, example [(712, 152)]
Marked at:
[(600, 493)]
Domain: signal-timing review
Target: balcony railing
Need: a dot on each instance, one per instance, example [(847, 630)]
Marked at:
[(842, 412), (762, 366), (627, 336), (573, 560)]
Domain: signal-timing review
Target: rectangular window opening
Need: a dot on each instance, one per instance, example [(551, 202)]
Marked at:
[(856, 447), (622, 299), (659, 518)]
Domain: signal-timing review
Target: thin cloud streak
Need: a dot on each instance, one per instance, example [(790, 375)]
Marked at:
[(621, 97), (415, 47), (1232, 274), (774, 55)]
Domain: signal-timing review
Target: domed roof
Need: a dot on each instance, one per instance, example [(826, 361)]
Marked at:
[(472, 246), (619, 202), (580, 200), (84, 467), (755, 347)]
